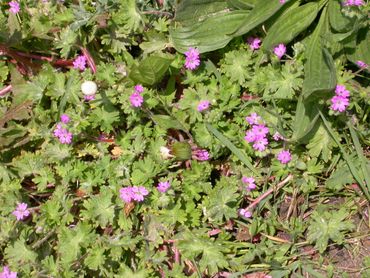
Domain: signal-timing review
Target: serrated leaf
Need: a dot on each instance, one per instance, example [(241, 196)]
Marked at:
[(95, 258), (321, 143), (150, 70), (288, 26), (326, 226), (320, 73)]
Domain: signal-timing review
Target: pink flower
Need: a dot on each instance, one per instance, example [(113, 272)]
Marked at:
[(192, 60), (201, 155), (277, 136), (58, 130), (14, 7), (250, 136), (362, 64), (353, 3), (254, 43), (21, 211), (65, 137), (340, 90), (280, 50), (203, 105), (245, 213), (138, 193), (339, 103), (260, 130), (282, 1), (64, 118), (260, 144), (139, 88), (250, 182), (126, 194), (136, 99), (6, 273), (80, 62), (253, 119), (89, 97), (284, 156), (163, 186), (133, 193)]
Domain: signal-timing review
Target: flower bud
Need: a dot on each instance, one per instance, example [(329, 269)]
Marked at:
[(181, 150)]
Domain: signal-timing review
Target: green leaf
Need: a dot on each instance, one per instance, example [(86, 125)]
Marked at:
[(325, 226), (305, 118), (238, 152), (221, 203), (20, 252), (104, 118), (208, 35), (360, 49), (95, 258), (99, 208), (320, 73), (242, 4), (338, 21), (262, 11), (150, 70), (167, 122), (288, 26)]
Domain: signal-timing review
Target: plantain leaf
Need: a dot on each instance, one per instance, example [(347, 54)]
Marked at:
[(320, 74), (150, 70), (209, 34), (359, 49), (242, 4), (287, 27), (338, 21), (262, 11)]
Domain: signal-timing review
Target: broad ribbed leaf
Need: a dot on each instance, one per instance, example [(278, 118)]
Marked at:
[(208, 35), (150, 70), (361, 47), (242, 4), (166, 122), (338, 21), (262, 11), (320, 75), (287, 27)]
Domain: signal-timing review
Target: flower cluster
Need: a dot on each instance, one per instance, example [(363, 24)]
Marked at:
[(80, 62), (284, 156), (14, 7), (201, 155), (62, 133), (245, 213), (6, 273), (21, 212), (133, 193), (257, 134), (254, 43), (250, 182), (192, 60), (280, 50), (341, 99), (203, 105), (163, 186), (136, 98), (353, 3)]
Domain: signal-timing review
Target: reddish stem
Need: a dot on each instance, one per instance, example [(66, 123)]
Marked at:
[(268, 192), (5, 90), (90, 60)]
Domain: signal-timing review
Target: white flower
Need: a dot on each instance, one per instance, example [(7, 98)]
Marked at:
[(89, 88)]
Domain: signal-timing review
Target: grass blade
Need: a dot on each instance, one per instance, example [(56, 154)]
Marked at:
[(347, 158), (238, 152)]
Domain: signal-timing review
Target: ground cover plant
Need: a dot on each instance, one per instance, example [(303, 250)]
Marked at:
[(189, 138)]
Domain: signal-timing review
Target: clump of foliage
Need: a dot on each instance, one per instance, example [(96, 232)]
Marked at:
[(189, 139)]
